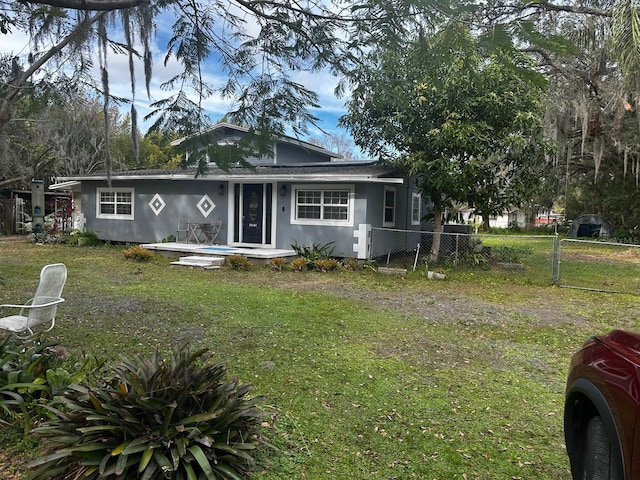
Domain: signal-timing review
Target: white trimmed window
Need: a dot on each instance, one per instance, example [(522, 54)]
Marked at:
[(389, 214), (416, 208), (114, 203), (322, 205)]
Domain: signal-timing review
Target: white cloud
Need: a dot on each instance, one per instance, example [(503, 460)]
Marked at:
[(323, 83), (15, 43)]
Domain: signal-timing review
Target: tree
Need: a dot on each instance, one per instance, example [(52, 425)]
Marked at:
[(258, 45), (467, 125), (338, 142), (592, 114), (261, 45), (594, 97), (57, 132)]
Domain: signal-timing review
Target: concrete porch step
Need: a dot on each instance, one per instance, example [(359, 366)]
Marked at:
[(202, 261)]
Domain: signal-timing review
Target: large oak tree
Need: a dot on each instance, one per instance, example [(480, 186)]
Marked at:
[(466, 123)]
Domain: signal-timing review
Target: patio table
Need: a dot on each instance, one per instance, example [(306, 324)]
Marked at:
[(196, 231)]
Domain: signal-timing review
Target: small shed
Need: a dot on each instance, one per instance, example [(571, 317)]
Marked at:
[(589, 225)]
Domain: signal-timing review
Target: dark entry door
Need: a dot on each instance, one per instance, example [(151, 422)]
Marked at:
[(252, 212)]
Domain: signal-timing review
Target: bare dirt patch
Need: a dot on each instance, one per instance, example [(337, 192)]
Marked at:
[(440, 306)]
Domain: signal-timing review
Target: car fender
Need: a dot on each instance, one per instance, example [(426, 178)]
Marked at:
[(575, 418)]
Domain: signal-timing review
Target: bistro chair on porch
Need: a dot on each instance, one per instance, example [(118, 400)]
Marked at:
[(183, 229), (42, 307), (212, 231)]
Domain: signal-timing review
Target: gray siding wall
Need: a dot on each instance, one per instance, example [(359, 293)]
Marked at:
[(291, 154), (288, 154), (308, 235), (368, 209), (181, 199)]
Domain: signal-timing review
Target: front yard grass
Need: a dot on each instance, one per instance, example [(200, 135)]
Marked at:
[(365, 375)]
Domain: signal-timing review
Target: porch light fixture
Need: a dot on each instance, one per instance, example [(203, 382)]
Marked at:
[(283, 190), (221, 189)]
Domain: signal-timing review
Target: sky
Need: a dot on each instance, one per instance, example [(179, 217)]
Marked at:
[(322, 83)]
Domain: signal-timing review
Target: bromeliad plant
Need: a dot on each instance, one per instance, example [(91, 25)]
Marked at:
[(177, 419), (31, 374), (315, 251), (239, 262)]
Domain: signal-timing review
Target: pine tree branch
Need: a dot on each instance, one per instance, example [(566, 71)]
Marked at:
[(95, 5), (18, 84), (570, 8)]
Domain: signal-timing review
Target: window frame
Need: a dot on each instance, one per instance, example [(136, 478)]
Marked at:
[(115, 216), (416, 198), (323, 188), (386, 207)]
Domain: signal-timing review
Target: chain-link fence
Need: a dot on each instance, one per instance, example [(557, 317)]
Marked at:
[(601, 266), (530, 257), (574, 263)]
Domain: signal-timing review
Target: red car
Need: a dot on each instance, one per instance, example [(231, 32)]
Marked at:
[(602, 404)]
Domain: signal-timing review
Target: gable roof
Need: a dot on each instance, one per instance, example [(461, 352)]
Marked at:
[(221, 126)]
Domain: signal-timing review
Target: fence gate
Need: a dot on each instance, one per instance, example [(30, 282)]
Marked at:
[(599, 266)]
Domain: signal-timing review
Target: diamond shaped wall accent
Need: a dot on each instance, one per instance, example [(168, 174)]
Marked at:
[(206, 205), (157, 204)]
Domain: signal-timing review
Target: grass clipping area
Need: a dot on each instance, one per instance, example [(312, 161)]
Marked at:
[(365, 375)]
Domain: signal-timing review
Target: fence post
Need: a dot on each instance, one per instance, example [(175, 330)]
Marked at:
[(555, 261)]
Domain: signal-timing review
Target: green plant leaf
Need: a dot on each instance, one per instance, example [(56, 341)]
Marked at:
[(167, 420), (181, 444), (229, 473), (99, 428), (89, 447), (202, 460), (47, 470), (122, 464), (95, 401), (191, 475), (201, 417), (31, 387), (162, 461), (118, 450), (46, 459), (137, 445), (235, 452), (149, 472), (146, 458), (104, 464)]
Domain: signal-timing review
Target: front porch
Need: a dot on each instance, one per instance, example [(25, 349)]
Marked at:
[(256, 255)]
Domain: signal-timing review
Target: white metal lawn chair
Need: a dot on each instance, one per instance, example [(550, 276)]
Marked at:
[(42, 307)]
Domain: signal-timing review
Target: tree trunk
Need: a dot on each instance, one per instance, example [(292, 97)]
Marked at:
[(486, 226), (437, 232)]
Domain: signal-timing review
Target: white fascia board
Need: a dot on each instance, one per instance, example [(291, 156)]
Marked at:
[(64, 185), (312, 178), (279, 178)]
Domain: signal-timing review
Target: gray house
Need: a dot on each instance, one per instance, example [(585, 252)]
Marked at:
[(302, 194)]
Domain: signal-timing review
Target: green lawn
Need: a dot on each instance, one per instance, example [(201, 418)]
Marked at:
[(365, 375), (600, 266)]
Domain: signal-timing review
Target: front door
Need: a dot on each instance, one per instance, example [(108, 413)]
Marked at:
[(252, 214)]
